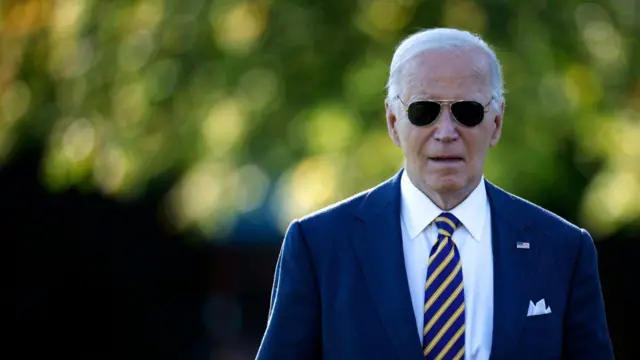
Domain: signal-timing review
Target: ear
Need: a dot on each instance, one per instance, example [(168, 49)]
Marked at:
[(497, 131), (392, 123)]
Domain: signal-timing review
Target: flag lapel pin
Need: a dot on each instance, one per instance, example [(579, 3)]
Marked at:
[(522, 245)]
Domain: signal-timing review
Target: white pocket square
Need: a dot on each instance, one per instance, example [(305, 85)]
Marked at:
[(538, 309)]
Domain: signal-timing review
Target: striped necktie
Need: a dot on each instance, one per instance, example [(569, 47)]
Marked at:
[(443, 333)]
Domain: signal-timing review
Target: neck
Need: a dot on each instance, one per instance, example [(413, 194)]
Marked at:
[(447, 200)]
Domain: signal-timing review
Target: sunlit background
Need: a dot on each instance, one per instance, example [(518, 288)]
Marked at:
[(266, 110)]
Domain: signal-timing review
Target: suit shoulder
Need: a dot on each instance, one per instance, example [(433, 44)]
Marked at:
[(543, 218), (565, 238), (333, 213), (324, 228)]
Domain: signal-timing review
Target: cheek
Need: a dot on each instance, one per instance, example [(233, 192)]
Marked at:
[(417, 137), (418, 142), (477, 146), (407, 135)]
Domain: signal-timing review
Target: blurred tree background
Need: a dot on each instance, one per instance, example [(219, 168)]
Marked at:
[(281, 102), (270, 109)]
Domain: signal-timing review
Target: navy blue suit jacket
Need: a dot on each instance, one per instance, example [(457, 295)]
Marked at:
[(341, 291)]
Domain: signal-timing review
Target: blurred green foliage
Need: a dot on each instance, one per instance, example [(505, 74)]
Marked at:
[(245, 97)]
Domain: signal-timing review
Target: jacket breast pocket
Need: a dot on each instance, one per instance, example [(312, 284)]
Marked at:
[(539, 322), (541, 338)]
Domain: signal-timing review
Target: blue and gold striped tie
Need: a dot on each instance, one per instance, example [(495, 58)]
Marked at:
[(443, 333)]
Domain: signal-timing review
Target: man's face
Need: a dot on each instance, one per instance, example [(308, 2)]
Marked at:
[(442, 75)]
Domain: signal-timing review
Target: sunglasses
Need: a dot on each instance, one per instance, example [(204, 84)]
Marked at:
[(465, 112)]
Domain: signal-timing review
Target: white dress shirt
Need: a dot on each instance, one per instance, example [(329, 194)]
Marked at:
[(473, 239)]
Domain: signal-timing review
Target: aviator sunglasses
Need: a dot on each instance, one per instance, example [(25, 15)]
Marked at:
[(465, 112)]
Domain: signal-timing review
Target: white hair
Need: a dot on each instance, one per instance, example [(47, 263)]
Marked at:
[(443, 39)]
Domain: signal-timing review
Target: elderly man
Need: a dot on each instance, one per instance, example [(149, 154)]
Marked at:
[(437, 262)]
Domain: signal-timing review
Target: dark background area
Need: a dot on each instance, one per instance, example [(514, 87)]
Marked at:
[(97, 279), (245, 114)]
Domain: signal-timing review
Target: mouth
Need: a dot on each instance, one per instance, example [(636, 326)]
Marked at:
[(446, 159)]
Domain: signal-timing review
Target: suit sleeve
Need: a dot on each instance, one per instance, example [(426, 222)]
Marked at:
[(293, 327), (586, 334)]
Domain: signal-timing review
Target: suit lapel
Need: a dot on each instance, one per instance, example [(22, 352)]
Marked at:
[(514, 270), (378, 245)]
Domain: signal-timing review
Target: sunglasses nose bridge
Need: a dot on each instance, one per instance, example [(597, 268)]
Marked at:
[(446, 115), (445, 124)]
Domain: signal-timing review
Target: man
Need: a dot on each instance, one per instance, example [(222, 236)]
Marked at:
[(437, 262)]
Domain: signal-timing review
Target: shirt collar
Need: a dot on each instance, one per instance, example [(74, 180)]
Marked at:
[(418, 211)]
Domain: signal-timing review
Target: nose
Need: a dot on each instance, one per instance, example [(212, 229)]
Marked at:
[(446, 127)]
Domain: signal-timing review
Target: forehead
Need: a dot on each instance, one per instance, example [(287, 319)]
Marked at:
[(446, 74)]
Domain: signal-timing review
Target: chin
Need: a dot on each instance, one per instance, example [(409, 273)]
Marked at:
[(448, 184)]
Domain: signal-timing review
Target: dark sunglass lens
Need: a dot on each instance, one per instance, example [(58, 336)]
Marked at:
[(422, 113), (468, 113)]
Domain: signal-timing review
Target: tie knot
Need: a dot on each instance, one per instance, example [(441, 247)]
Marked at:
[(447, 223)]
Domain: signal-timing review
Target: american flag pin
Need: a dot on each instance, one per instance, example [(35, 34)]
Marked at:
[(522, 245)]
